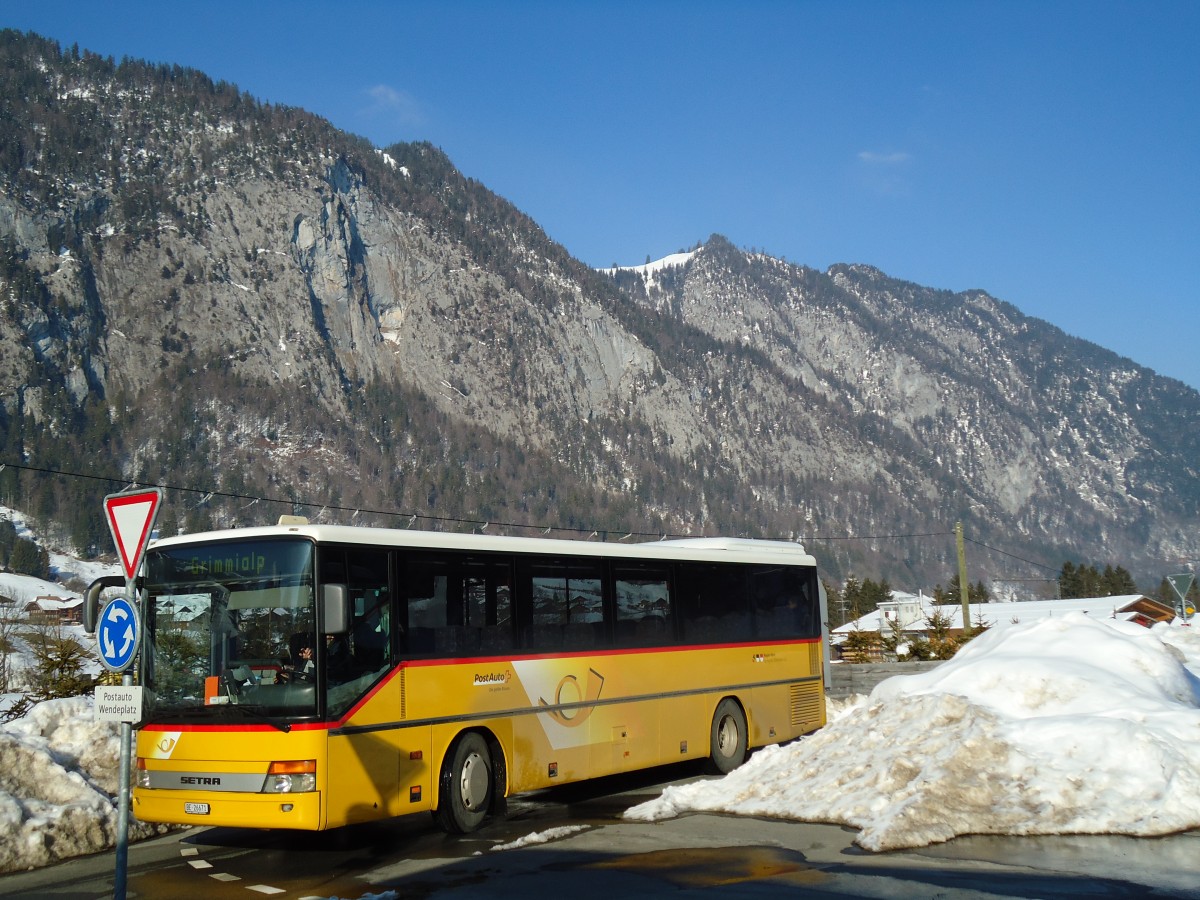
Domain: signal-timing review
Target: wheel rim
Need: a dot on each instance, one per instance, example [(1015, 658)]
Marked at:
[(727, 736), (473, 785)]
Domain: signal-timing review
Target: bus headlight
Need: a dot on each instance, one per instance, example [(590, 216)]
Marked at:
[(291, 777), (143, 775)]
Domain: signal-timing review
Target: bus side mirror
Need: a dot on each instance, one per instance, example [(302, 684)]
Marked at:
[(91, 599), (335, 600)]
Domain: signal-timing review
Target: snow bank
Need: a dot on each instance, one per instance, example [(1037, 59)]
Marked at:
[(1063, 726), (58, 776)]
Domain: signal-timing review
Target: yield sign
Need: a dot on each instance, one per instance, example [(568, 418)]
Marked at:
[(131, 518), (1181, 583)]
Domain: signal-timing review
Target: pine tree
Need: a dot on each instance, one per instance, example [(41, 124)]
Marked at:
[(58, 669), (976, 593), (1068, 581), (835, 606), (8, 540), (1118, 582), (1087, 581), (852, 597), (940, 642), (28, 558)]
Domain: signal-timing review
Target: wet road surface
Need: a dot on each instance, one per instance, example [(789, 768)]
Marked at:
[(594, 853)]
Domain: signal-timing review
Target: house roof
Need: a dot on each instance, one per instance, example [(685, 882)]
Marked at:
[(1001, 615), (53, 604)]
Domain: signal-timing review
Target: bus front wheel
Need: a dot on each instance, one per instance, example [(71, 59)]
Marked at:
[(728, 739), (466, 786)]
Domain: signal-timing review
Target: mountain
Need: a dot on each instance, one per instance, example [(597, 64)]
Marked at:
[(239, 302)]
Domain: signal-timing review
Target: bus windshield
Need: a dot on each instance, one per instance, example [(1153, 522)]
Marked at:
[(225, 625)]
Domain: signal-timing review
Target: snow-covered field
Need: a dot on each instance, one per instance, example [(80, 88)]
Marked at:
[(1067, 725)]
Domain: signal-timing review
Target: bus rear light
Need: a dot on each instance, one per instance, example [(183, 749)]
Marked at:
[(295, 776)]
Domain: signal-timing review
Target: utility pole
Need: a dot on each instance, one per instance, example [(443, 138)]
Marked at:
[(963, 589)]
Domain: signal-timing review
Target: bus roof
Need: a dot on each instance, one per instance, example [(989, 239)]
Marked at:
[(713, 549)]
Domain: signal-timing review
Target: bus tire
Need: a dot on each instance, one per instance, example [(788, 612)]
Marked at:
[(728, 739), (466, 786)]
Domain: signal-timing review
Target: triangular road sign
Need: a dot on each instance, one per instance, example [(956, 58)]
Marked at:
[(131, 519), (1181, 583)]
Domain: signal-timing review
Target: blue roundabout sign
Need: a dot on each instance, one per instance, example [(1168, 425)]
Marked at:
[(118, 633)]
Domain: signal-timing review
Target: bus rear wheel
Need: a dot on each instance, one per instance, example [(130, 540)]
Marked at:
[(466, 787), (728, 738)]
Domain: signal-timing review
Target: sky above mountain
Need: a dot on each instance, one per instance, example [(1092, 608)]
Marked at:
[(1048, 153)]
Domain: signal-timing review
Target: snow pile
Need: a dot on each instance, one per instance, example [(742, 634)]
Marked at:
[(58, 776), (1062, 726), (542, 837)]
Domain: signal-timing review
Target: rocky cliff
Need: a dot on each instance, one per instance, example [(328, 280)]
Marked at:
[(242, 303)]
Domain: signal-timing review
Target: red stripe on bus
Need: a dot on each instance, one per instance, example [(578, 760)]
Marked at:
[(623, 651), (475, 660)]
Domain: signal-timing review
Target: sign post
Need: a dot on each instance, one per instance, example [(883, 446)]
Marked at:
[(131, 518)]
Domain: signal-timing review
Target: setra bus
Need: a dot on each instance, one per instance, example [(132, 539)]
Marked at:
[(312, 676)]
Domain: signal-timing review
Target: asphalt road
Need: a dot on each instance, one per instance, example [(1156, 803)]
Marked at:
[(599, 855)]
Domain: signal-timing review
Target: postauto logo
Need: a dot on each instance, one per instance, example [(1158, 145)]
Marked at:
[(486, 679)]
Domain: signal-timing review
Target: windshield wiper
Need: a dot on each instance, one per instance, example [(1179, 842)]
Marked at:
[(163, 714), (208, 713), (177, 713)]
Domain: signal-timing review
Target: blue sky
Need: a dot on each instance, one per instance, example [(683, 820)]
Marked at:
[(1047, 152)]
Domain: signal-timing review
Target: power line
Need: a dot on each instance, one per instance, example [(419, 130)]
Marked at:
[(880, 537), (252, 499), (1010, 555), (474, 523), (290, 501)]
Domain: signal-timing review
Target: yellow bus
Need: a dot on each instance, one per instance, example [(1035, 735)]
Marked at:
[(312, 676)]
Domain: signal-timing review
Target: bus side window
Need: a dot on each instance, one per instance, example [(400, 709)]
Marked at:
[(713, 602), (567, 606), (371, 609), (784, 604), (487, 604), (643, 607), (458, 605), (426, 588)]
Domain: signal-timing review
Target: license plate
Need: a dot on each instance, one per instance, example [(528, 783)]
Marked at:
[(196, 809)]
